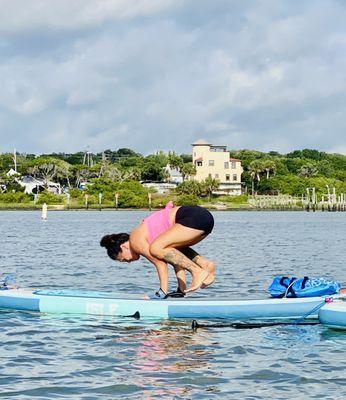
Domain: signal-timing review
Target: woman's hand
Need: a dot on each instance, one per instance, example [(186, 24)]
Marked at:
[(162, 271), (160, 294), (141, 246)]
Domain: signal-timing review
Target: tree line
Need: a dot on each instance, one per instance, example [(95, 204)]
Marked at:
[(264, 173), (72, 169), (108, 173), (292, 173)]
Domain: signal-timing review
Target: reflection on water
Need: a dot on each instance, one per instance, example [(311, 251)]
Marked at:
[(293, 337), (51, 356), (168, 351)]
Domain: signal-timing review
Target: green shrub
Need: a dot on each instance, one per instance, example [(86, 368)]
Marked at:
[(15, 197), (77, 194), (102, 185), (131, 193), (240, 199), (128, 199), (191, 187), (187, 200), (134, 186), (50, 198), (159, 201), (92, 199)]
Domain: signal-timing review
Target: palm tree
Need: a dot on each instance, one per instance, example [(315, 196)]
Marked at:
[(209, 185), (175, 161), (269, 166), (255, 169), (188, 170)]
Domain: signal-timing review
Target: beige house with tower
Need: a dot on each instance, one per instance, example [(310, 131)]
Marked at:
[(215, 162)]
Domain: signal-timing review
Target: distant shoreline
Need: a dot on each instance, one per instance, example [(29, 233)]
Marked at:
[(107, 209), (209, 206)]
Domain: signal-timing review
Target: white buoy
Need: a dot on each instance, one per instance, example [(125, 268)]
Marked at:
[(44, 211)]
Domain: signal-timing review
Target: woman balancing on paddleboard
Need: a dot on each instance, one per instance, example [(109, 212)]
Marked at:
[(165, 237)]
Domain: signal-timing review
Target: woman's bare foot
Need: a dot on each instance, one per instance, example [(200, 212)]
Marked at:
[(208, 266), (198, 277), (342, 291), (207, 282)]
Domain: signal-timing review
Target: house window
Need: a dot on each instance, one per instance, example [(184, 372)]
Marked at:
[(234, 165), (218, 149), (227, 177), (211, 163), (234, 177), (216, 176), (226, 165), (209, 175), (199, 163)]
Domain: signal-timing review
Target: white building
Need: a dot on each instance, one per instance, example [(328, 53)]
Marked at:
[(160, 187), (33, 185), (174, 176), (12, 172)]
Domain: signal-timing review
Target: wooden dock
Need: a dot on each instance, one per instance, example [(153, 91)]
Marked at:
[(331, 201)]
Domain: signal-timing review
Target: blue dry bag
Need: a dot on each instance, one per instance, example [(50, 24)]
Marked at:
[(283, 286)]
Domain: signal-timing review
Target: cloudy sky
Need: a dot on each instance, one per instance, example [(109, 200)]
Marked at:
[(161, 74)]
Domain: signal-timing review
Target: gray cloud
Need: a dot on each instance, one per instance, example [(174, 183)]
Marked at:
[(265, 75)]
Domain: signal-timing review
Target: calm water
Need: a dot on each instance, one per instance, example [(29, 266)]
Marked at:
[(47, 356)]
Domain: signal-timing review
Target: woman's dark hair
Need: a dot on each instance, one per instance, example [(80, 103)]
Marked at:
[(112, 243)]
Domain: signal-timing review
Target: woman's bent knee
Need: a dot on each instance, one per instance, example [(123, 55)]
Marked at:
[(157, 251)]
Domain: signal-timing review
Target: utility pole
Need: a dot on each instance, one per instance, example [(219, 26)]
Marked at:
[(15, 160), (88, 158)]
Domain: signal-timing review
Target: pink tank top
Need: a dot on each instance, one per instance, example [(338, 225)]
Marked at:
[(158, 222)]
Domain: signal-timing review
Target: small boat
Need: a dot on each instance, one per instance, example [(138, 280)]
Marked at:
[(120, 304), (333, 314)]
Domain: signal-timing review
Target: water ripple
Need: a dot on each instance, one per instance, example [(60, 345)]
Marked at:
[(52, 356)]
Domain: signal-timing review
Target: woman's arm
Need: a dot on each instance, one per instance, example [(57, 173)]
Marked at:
[(141, 246), (162, 271)]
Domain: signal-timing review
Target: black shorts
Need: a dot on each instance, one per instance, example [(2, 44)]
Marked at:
[(195, 217)]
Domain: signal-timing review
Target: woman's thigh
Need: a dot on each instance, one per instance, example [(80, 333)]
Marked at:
[(178, 236)]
